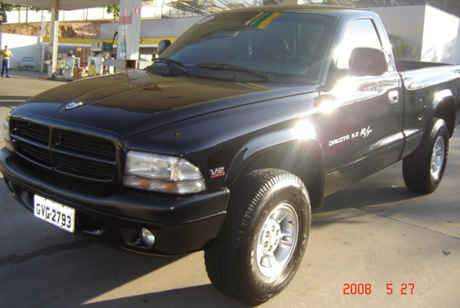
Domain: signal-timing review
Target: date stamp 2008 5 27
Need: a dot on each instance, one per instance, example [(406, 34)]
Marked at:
[(366, 289)]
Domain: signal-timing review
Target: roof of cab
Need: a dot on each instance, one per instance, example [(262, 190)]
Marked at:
[(318, 8)]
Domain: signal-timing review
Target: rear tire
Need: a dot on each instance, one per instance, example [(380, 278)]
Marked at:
[(263, 239), (424, 169)]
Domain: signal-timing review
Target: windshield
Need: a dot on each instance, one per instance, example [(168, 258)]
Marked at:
[(289, 45)]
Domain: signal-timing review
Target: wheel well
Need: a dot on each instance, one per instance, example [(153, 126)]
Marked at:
[(303, 160), (446, 111)]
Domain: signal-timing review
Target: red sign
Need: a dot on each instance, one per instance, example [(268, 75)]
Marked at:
[(125, 20), (137, 10)]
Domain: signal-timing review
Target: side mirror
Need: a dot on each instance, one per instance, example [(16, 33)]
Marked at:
[(162, 45), (367, 62)]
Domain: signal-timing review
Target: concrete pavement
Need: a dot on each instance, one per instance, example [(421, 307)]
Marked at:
[(376, 237)]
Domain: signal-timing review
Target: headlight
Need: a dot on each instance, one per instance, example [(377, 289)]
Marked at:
[(6, 132), (162, 173)]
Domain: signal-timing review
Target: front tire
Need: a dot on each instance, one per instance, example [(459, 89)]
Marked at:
[(264, 236), (424, 169)]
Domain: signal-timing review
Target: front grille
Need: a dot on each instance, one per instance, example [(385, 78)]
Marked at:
[(65, 151)]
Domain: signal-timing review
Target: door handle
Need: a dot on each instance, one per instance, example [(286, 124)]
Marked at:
[(393, 97)]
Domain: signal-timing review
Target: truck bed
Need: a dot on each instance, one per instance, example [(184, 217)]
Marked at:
[(408, 65)]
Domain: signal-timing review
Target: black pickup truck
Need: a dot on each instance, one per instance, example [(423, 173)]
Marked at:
[(245, 123)]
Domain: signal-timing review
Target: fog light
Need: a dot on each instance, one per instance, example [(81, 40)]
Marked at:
[(147, 237)]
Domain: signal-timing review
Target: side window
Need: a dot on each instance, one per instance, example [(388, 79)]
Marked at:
[(359, 33)]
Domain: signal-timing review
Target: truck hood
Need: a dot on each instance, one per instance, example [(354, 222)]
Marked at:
[(131, 103)]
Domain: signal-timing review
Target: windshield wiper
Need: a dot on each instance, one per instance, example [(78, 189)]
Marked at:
[(231, 67), (172, 64)]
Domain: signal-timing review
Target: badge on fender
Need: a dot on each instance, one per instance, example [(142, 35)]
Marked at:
[(217, 172)]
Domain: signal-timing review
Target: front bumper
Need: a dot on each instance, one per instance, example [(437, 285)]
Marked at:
[(180, 224)]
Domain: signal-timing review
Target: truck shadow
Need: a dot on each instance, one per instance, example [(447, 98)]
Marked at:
[(386, 186), (12, 101), (76, 272), (58, 269), (197, 296), (361, 198), (372, 195), (13, 98)]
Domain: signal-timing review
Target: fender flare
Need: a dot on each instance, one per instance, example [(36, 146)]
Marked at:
[(270, 151), (441, 109)]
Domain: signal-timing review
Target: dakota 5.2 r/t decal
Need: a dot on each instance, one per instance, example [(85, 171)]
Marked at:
[(365, 132)]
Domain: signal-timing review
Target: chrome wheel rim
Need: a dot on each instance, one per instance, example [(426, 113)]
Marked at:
[(437, 158), (277, 240)]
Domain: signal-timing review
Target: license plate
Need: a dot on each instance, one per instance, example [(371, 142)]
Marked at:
[(55, 213)]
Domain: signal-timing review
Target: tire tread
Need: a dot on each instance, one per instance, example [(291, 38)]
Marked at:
[(416, 166), (224, 273)]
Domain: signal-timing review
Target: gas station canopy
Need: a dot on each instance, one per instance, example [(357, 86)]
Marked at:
[(128, 34), (66, 5)]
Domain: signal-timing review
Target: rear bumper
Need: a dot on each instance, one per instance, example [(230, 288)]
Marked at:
[(180, 224)]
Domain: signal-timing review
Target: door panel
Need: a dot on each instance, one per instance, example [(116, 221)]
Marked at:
[(362, 134), (361, 114)]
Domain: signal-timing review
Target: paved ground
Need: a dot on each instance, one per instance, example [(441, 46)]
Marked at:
[(375, 233)]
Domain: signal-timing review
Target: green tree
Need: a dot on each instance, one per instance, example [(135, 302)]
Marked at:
[(400, 49), (9, 7), (2, 14), (114, 9)]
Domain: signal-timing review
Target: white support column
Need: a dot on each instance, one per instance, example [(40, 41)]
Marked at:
[(53, 47), (42, 35), (129, 29)]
